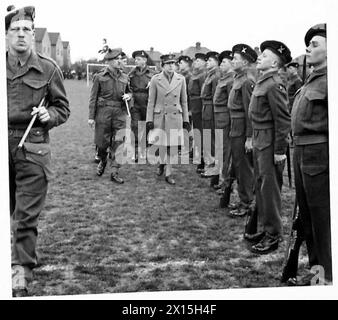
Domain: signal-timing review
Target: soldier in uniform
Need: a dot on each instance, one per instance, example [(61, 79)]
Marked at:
[(294, 81), (309, 121), (222, 121), (30, 78), (185, 63), (107, 111), (167, 113), (241, 128), (208, 122), (140, 78), (271, 125), (194, 90)]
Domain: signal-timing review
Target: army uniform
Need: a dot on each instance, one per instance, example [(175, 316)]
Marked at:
[(271, 125), (108, 109), (139, 83), (294, 83), (208, 122), (311, 162), (29, 166), (195, 104), (240, 130), (222, 117)]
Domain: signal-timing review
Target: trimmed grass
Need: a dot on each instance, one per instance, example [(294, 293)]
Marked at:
[(144, 235)]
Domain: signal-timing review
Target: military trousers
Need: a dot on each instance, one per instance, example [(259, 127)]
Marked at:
[(268, 186), (138, 113), (222, 122), (311, 166), (28, 182), (243, 168), (208, 125), (110, 130)]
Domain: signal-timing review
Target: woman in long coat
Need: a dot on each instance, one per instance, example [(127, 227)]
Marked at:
[(167, 113)]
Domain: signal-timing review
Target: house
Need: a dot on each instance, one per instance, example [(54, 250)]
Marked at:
[(66, 55), (57, 47), (42, 42), (154, 58), (191, 51)]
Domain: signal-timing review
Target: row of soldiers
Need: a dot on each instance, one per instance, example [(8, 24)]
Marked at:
[(244, 96)]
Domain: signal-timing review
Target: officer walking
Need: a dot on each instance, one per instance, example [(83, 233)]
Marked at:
[(194, 91), (241, 128), (271, 125), (107, 111), (208, 123), (31, 78), (311, 155), (222, 117), (140, 78)]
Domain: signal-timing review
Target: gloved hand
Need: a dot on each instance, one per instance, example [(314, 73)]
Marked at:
[(186, 126), (149, 126)]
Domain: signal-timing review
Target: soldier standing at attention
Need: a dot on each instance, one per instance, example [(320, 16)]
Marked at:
[(241, 128), (107, 111), (194, 89), (30, 78), (294, 81), (222, 114), (208, 122), (271, 125), (311, 155), (140, 78)]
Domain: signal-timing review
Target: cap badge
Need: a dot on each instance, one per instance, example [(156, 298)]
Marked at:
[(281, 49), (244, 50)]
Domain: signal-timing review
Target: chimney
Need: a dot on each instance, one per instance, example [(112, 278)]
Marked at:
[(151, 49), (198, 45)]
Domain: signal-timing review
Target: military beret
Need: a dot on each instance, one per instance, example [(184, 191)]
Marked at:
[(293, 64), (225, 54), (200, 55), (212, 54), (246, 51), (166, 58), (140, 53), (184, 58), (279, 48), (113, 53), (25, 13), (317, 30)]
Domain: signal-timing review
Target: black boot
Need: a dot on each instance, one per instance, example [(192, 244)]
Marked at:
[(214, 180), (100, 167)]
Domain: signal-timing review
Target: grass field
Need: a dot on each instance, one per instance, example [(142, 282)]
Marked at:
[(144, 235)]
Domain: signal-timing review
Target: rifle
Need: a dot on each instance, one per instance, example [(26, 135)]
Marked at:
[(290, 264), (251, 221), (288, 163)]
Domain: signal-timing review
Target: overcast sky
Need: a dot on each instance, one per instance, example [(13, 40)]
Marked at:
[(174, 25)]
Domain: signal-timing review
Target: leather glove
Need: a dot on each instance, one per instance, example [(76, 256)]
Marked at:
[(186, 126), (149, 126)]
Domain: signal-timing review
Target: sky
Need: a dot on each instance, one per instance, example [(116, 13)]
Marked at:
[(175, 25)]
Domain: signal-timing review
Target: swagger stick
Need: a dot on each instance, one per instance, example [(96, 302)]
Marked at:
[(30, 125)]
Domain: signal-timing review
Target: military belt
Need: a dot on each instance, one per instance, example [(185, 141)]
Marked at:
[(310, 139), (16, 132), (140, 90), (262, 126), (195, 98), (110, 103), (237, 114)]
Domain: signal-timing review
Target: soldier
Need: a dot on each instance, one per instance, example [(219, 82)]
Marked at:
[(241, 128), (271, 125), (107, 111), (222, 120), (167, 112), (294, 81), (208, 123), (311, 155), (30, 78), (194, 90), (140, 78), (185, 64)]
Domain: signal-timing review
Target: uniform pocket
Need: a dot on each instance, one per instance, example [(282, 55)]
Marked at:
[(40, 154), (37, 135), (315, 159), (313, 100), (263, 139), (222, 120), (33, 90), (237, 127)]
